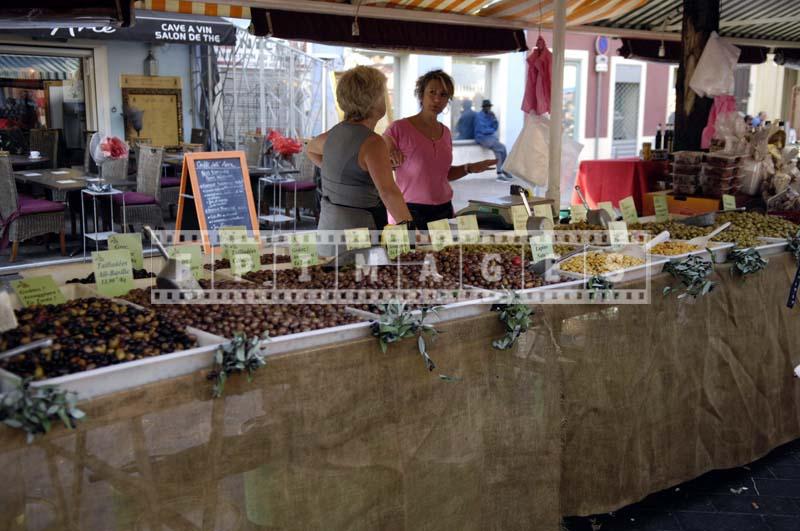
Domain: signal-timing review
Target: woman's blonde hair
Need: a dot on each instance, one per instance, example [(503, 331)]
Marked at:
[(358, 90)]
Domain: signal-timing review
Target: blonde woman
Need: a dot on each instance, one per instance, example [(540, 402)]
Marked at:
[(357, 182)]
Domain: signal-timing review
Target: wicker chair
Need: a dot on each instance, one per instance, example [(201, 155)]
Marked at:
[(143, 206), (45, 141), (116, 170), (27, 217), (305, 186), (254, 149)]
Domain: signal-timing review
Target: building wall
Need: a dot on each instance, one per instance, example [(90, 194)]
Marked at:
[(128, 58)]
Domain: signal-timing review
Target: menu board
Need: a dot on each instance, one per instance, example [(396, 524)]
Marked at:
[(220, 188)]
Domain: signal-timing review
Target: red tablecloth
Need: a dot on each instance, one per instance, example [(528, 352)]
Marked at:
[(612, 180)]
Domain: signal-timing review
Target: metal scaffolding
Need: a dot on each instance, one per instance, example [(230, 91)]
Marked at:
[(265, 84)]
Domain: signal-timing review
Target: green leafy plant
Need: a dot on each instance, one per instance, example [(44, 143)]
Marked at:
[(516, 317), (794, 246), (33, 409), (693, 273), (397, 322), (241, 354), (598, 285), (746, 262)]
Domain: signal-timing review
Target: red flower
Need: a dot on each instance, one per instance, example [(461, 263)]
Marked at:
[(114, 148), (284, 145)]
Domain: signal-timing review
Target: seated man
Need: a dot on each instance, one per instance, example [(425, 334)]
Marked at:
[(486, 136), (465, 127)]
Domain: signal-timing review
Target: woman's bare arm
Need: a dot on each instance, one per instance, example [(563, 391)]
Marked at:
[(315, 149)]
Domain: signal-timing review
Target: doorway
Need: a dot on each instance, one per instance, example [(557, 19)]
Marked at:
[(626, 110)]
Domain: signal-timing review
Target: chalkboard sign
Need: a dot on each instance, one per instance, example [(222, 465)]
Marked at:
[(220, 188)]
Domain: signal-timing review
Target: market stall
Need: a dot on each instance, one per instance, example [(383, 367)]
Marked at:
[(595, 407)]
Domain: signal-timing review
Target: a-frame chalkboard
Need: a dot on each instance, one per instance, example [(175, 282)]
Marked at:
[(215, 192)]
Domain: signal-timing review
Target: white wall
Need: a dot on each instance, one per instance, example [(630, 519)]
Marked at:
[(128, 58)]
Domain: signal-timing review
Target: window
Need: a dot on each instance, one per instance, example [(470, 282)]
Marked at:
[(38, 91), (472, 81), (572, 94)]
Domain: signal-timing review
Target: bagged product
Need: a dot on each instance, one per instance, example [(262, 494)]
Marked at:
[(713, 75)]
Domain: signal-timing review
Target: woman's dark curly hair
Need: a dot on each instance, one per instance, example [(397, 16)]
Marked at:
[(439, 75)]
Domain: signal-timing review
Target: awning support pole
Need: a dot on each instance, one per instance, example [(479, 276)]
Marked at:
[(262, 104), (557, 104)]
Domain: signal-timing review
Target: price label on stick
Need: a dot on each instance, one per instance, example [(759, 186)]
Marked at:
[(304, 249), (441, 235), (357, 239), (244, 257), (542, 247), (112, 272), (618, 233), (131, 242), (628, 207), (728, 202), (661, 208), (519, 216), (608, 207), (544, 211), (577, 213), (230, 236), (8, 320), (395, 239), (191, 256), (468, 231), (38, 290)]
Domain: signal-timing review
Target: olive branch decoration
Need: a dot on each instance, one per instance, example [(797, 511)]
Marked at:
[(516, 317), (746, 262), (693, 273), (33, 409), (397, 322), (241, 354)]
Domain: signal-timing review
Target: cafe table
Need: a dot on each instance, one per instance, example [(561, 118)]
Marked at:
[(21, 162), (67, 181)]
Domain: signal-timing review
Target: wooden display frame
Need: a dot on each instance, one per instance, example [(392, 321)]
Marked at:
[(177, 93), (189, 170)]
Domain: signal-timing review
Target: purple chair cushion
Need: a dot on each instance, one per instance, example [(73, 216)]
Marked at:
[(30, 205), (167, 182), (134, 198), (302, 186)]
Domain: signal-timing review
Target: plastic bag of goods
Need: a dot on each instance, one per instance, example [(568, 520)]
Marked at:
[(730, 134), (529, 157), (753, 173), (713, 75)]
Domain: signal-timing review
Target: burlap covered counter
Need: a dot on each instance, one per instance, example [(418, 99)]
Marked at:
[(344, 438), (597, 407), (655, 395)]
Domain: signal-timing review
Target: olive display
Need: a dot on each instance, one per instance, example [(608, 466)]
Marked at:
[(251, 319), (672, 248), (598, 263), (266, 259), (137, 274), (89, 333)]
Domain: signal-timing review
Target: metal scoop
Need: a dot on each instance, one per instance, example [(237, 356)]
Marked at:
[(702, 241), (640, 251), (41, 343), (174, 274), (594, 217)]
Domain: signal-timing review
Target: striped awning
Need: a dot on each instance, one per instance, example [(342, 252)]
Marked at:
[(210, 9), (38, 67), (761, 20), (529, 12)]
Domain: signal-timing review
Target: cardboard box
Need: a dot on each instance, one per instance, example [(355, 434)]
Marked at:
[(686, 205)]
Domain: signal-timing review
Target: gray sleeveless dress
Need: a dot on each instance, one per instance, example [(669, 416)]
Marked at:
[(347, 190)]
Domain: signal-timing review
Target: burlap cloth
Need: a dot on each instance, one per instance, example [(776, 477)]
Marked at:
[(595, 408)]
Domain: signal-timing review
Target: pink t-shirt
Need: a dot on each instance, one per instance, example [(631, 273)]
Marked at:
[(423, 175)]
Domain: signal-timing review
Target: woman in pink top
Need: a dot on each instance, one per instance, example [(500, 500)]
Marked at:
[(422, 153)]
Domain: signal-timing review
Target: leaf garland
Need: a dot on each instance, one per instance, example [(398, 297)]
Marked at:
[(33, 409), (241, 354), (516, 317), (746, 262), (693, 273), (397, 322)]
